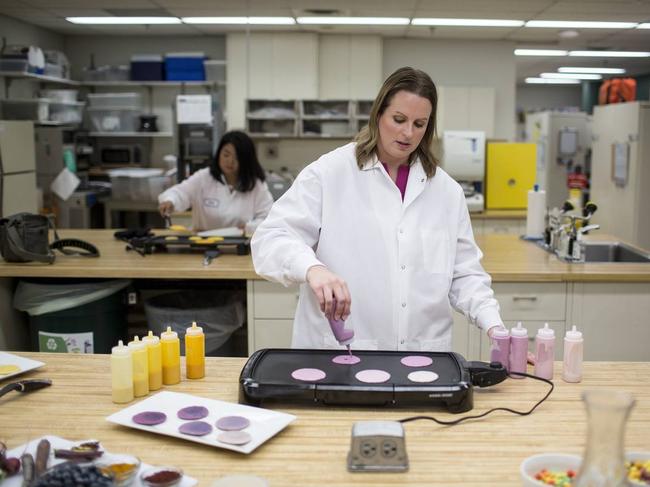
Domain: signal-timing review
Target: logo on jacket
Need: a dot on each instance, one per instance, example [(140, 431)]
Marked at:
[(211, 202)]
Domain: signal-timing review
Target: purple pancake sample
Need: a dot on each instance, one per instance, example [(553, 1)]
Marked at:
[(346, 359), (193, 412), (196, 428), (234, 437), (416, 361), (149, 418), (372, 376), (232, 423), (308, 375)]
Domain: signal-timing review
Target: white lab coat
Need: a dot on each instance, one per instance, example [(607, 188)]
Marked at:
[(404, 262), (214, 205)]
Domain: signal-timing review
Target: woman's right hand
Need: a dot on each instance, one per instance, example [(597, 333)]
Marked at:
[(166, 208), (328, 287)]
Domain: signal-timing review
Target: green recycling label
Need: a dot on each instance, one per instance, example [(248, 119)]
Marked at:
[(65, 342)]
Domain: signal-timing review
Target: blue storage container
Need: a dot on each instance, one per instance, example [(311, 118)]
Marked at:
[(147, 67), (185, 66)]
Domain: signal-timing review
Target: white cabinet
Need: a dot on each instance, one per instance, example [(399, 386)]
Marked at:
[(466, 108), (614, 319), (271, 308)]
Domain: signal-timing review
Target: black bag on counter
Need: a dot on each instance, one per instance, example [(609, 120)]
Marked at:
[(24, 237)]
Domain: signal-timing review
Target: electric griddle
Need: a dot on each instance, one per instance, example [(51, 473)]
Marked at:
[(164, 243), (266, 376)]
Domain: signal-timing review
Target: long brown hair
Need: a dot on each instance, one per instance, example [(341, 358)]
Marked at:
[(414, 81)]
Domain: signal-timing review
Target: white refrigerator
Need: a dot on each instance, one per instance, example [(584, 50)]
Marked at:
[(17, 168)]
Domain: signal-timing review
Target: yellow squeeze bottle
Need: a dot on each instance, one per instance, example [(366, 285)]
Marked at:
[(121, 374), (154, 354), (140, 367), (171, 357), (194, 352)]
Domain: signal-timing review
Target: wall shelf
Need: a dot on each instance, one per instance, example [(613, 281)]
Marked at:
[(38, 77), (170, 84), (131, 134)]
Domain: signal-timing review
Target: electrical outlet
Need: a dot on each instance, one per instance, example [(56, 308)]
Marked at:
[(272, 151), (132, 298), (378, 446)]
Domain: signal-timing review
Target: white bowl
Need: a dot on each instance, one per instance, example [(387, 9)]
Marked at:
[(637, 455), (549, 461)]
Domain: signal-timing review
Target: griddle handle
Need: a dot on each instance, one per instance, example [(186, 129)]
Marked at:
[(486, 374)]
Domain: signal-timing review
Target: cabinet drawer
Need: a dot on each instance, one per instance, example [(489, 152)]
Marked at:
[(531, 301), (272, 334), (273, 300)]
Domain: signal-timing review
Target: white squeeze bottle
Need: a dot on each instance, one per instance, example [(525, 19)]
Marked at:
[(544, 352), (573, 352), (121, 374), (518, 350)]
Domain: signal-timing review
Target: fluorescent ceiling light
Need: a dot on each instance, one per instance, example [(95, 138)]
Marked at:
[(572, 24), (567, 69), (540, 52), (547, 81), (570, 76), (353, 20), (609, 54), (123, 20), (240, 20), (643, 26), (468, 22)]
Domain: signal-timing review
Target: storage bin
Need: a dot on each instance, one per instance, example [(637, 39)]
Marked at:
[(13, 65), (54, 70), (325, 108), (106, 73), (37, 110), (185, 66), (147, 68), (113, 119), (69, 96), (115, 100), (138, 184), (66, 112), (215, 70)]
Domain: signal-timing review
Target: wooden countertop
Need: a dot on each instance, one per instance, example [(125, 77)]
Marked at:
[(506, 257), (313, 449)]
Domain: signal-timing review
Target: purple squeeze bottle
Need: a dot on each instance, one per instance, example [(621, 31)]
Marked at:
[(342, 335), (518, 350), (500, 346)]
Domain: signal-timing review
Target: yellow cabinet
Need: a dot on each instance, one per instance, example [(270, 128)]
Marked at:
[(510, 174)]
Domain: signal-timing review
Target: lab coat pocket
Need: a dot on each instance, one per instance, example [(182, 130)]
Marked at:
[(438, 345), (435, 251)]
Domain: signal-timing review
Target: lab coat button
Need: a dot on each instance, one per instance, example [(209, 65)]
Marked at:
[(401, 342), (403, 305), (403, 267)]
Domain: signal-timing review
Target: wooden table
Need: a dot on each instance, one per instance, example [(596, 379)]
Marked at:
[(313, 449)]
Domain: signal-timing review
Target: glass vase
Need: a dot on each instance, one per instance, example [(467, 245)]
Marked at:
[(604, 458)]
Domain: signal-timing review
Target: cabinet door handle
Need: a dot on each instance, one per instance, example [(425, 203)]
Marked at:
[(523, 297)]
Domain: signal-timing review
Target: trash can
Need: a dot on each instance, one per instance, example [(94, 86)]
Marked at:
[(79, 317), (220, 313)]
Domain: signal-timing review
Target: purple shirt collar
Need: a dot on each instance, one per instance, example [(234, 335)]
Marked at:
[(402, 177)]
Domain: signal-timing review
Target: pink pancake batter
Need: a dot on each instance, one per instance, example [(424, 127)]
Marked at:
[(372, 376), (423, 376), (416, 361), (346, 359), (308, 375)]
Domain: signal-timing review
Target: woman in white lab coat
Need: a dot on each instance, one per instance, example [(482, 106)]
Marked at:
[(376, 227), (231, 192)]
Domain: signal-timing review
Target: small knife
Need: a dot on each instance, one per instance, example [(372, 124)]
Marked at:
[(28, 385)]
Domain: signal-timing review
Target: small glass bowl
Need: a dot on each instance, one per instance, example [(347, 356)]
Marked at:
[(146, 475), (110, 465)]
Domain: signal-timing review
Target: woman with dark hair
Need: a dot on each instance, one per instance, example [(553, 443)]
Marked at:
[(377, 219), (231, 192)]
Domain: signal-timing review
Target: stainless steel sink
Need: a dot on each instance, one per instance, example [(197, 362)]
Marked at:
[(613, 252)]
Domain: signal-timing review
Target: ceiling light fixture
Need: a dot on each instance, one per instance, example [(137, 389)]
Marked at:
[(609, 54), (240, 20), (540, 52), (567, 69), (123, 20), (575, 24), (549, 81), (571, 76), (468, 22), (353, 20), (645, 25)]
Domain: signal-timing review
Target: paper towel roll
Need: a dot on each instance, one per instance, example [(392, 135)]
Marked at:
[(536, 213)]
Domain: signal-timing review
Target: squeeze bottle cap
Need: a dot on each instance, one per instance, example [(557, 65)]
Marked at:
[(573, 334), (546, 332), (536, 187), (151, 339), (518, 331), (500, 331), (136, 344), (194, 330), (120, 349), (169, 334)]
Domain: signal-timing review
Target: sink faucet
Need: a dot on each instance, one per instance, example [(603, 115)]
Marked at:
[(566, 231)]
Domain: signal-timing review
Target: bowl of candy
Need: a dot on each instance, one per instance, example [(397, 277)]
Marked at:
[(557, 469), (638, 467), (123, 468)]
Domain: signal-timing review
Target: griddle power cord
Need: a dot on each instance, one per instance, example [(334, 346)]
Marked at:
[(478, 416)]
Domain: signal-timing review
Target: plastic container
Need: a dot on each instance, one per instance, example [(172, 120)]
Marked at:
[(518, 350), (544, 352), (140, 367), (113, 119), (54, 70), (215, 70), (66, 112), (138, 184), (147, 67), (194, 352), (186, 66), (220, 314), (115, 100), (171, 357), (573, 356), (154, 354), (14, 65), (500, 346), (66, 96), (121, 374), (37, 110)]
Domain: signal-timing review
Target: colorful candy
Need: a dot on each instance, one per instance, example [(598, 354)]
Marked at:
[(638, 471), (559, 478)]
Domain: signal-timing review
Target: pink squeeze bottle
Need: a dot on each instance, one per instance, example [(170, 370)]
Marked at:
[(544, 352), (500, 346), (518, 350), (573, 351), (343, 336)]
